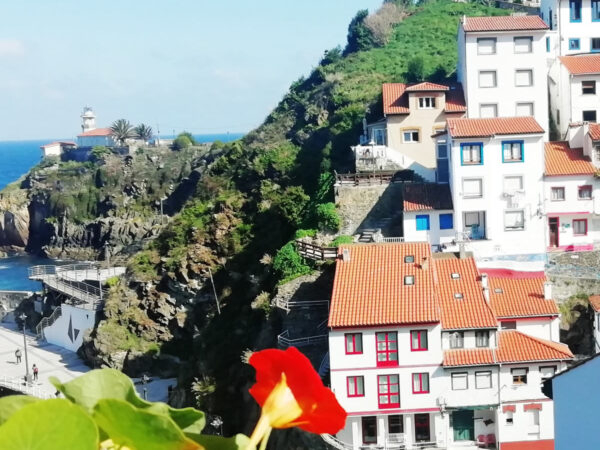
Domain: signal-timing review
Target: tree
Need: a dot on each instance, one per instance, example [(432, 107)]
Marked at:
[(122, 130), (143, 132), (181, 142), (359, 36), (415, 70)]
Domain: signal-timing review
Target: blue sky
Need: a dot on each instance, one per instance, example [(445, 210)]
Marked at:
[(202, 66)]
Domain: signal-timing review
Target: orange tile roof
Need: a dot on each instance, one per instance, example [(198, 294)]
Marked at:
[(427, 86), (504, 23), (471, 311), (461, 128), (51, 144), (426, 196), (545, 444), (563, 160), (455, 99), (595, 302), (394, 100), (369, 288), (594, 131), (515, 346), (582, 64), (469, 357), (520, 297), (97, 132)]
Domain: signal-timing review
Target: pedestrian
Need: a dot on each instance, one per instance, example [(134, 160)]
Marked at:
[(18, 355), (35, 373)]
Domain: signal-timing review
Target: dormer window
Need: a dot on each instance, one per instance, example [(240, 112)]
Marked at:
[(455, 276), (458, 295), (409, 280), (409, 259), (457, 339), (426, 102)]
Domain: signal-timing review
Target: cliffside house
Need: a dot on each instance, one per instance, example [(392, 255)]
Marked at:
[(57, 148)]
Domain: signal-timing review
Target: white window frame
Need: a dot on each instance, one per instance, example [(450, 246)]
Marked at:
[(554, 189), (495, 77), (411, 132), (514, 211), (485, 106), (531, 106), (481, 47), (426, 102), (511, 190), (456, 338), (517, 372), (522, 38), (454, 379), (521, 72), (483, 379), (465, 195)]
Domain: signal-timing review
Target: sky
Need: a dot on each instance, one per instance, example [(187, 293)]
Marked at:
[(195, 65)]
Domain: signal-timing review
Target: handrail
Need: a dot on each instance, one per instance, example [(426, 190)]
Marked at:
[(324, 366), (336, 443), (316, 252), (19, 385), (284, 341), (47, 321), (287, 305)]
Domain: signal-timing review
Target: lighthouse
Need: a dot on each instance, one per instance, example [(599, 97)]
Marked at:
[(88, 120)]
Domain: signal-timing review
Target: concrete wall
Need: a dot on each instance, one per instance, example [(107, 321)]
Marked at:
[(69, 328)]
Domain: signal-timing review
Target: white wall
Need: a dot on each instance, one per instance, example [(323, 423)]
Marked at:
[(434, 235), (543, 328), (584, 30), (584, 102), (51, 150), (70, 337)]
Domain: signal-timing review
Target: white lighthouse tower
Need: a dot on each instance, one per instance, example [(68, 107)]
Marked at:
[(89, 119)]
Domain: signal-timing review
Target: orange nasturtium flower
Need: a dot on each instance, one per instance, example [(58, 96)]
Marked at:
[(291, 394)]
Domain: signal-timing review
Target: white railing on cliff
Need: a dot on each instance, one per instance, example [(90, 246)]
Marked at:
[(19, 385), (47, 321), (284, 340), (287, 305)]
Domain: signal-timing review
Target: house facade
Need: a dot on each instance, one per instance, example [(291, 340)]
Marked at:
[(57, 148), (419, 356), (97, 136)]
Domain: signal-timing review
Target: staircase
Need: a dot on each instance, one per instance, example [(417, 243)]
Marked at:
[(47, 321), (367, 235)]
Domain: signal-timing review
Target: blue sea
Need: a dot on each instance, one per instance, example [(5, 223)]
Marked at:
[(16, 158)]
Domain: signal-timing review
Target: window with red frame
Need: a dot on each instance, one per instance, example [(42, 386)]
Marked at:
[(387, 348), (579, 227), (420, 383), (418, 340), (356, 386), (584, 192), (388, 391), (353, 343)]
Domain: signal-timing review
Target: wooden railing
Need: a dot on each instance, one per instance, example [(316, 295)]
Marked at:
[(316, 252), (365, 178)]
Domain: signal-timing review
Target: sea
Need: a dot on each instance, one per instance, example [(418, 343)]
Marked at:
[(16, 158)]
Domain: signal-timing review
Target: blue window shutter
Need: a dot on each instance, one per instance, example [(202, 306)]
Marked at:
[(422, 222), (446, 222)]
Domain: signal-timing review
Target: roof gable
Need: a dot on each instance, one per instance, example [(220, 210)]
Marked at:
[(427, 86), (395, 97), (97, 132), (594, 131)]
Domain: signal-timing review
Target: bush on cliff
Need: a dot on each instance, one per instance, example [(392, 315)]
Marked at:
[(288, 264), (328, 218)]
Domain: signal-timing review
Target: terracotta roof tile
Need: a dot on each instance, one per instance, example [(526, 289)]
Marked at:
[(426, 196), (395, 97), (594, 131), (394, 100), (504, 23), (515, 346), (563, 160), (470, 311), (97, 132), (469, 357), (582, 64), (427, 86), (595, 302), (461, 128), (520, 297), (455, 99), (369, 288)]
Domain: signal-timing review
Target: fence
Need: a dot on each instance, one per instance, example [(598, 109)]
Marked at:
[(315, 252), (366, 179), (19, 385), (284, 340)]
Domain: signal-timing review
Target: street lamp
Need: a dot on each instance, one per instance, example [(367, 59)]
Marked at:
[(27, 376)]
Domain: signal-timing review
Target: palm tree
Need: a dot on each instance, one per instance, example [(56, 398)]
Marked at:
[(143, 132), (122, 130)]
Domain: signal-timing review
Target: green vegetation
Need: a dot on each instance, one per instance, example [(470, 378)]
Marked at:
[(122, 130), (288, 263), (183, 140), (328, 218), (143, 265), (143, 132), (340, 240), (99, 152)]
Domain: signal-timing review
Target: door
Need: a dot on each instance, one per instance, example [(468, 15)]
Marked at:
[(463, 425), (369, 430), (553, 231), (422, 430), (443, 171)]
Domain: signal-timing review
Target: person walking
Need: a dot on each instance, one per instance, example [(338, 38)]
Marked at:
[(35, 372), (18, 355)]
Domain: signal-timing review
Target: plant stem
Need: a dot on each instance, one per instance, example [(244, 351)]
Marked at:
[(262, 429), (263, 444)]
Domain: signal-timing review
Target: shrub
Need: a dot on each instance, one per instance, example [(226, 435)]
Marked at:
[(292, 203), (181, 142), (328, 218), (415, 70), (343, 239), (143, 265), (288, 264), (305, 233), (381, 23), (112, 282), (359, 36), (99, 152)]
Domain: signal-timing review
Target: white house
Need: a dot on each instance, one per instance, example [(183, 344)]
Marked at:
[(574, 83), (502, 67), (97, 136), (418, 358), (576, 24), (57, 148)]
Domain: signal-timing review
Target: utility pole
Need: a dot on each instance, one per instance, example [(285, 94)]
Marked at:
[(214, 291), (27, 376), (99, 283)]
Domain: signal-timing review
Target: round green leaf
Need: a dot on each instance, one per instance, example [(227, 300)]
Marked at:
[(12, 403)]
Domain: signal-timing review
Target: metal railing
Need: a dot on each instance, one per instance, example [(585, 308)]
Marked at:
[(284, 340), (388, 445), (392, 239), (47, 321), (19, 385), (287, 305)]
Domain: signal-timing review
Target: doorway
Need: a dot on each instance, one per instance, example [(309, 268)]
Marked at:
[(553, 231), (463, 425), (422, 428)]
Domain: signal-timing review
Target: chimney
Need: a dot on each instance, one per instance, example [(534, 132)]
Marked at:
[(425, 264), (486, 293), (346, 255), (547, 290), (484, 280), (462, 254)]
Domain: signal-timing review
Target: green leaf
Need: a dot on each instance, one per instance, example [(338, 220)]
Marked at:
[(138, 429), (49, 425), (237, 442), (87, 390), (12, 403)]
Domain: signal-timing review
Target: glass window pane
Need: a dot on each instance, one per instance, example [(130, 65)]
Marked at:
[(425, 382), (358, 343)]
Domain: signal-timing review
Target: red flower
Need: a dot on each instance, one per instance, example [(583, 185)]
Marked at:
[(291, 393)]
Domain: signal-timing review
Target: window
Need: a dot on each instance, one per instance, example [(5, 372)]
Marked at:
[(514, 220), (482, 338), (458, 295), (472, 187), (584, 193), (409, 280), (487, 79), (442, 150), (486, 46), (588, 87), (426, 102), (524, 77), (379, 136), (410, 136), (353, 343), (418, 340), (471, 153), (369, 430), (523, 44), (589, 116), (519, 376), (422, 222), (356, 386), (483, 380), (524, 109), (460, 381), (575, 10), (597, 152), (395, 424), (512, 151), (388, 391), (509, 417), (457, 339), (557, 194), (513, 183), (455, 276), (387, 349), (595, 10), (579, 227), (487, 110), (547, 372), (595, 45), (547, 45), (446, 221), (409, 259), (558, 116), (420, 383), (533, 418), (508, 325), (574, 44)]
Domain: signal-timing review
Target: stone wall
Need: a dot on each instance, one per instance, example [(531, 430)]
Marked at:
[(564, 287)]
